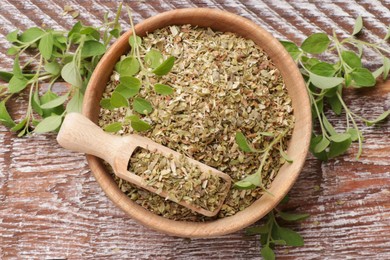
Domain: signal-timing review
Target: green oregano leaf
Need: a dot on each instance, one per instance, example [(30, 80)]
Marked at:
[(36, 103), (92, 48), (31, 35), (55, 102), (338, 148), (351, 59), (92, 33), (243, 143), (142, 106), (137, 124), (264, 229), (332, 92), (12, 50), (130, 81), (378, 119), (12, 36), (46, 45), (328, 126), (75, 104), (378, 72), (291, 237), (71, 74), (47, 97), (16, 70), (106, 104), (339, 137), (115, 33), (140, 125), (114, 127), (165, 67), (292, 48), (128, 66), (153, 58), (314, 141), (163, 89), (249, 182), (127, 91), (244, 185), (358, 25), (118, 100), (6, 76), (48, 124), (323, 69), (135, 42), (5, 118), (267, 253), (293, 216), (363, 77), (19, 125), (322, 145), (316, 43), (360, 47), (74, 35), (309, 62), (16, 84), (53, 68), (325, 82)]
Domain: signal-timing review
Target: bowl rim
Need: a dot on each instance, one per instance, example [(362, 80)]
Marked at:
[(261, 206)]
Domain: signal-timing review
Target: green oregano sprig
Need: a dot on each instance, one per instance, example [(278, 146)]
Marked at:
[(70, 56), (273, 234), (134, 74), (256, 180), (325, 81)]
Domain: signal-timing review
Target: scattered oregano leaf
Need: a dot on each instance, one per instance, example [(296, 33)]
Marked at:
[(134, 73), (243, 143), (255, 180)]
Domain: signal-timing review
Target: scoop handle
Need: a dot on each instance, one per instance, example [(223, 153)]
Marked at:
[(80, 134)]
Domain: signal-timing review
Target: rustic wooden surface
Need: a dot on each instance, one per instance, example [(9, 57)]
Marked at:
[(51, 206)]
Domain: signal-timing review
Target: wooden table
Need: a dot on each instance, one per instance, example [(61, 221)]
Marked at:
[(51, 206)]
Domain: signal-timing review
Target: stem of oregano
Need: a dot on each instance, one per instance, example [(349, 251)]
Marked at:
[(136, 50), (349, 114)]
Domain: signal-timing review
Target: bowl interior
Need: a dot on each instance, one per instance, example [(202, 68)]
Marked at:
[(298, 146)]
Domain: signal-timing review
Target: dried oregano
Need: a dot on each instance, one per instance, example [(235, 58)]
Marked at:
[(182, 180), (220, 85)]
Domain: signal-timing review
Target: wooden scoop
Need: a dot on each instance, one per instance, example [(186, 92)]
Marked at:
[(80, 134)]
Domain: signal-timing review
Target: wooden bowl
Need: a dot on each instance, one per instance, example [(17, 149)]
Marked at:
[(298, 146)]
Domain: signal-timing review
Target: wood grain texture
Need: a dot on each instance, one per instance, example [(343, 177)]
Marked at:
[(51, 206)]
